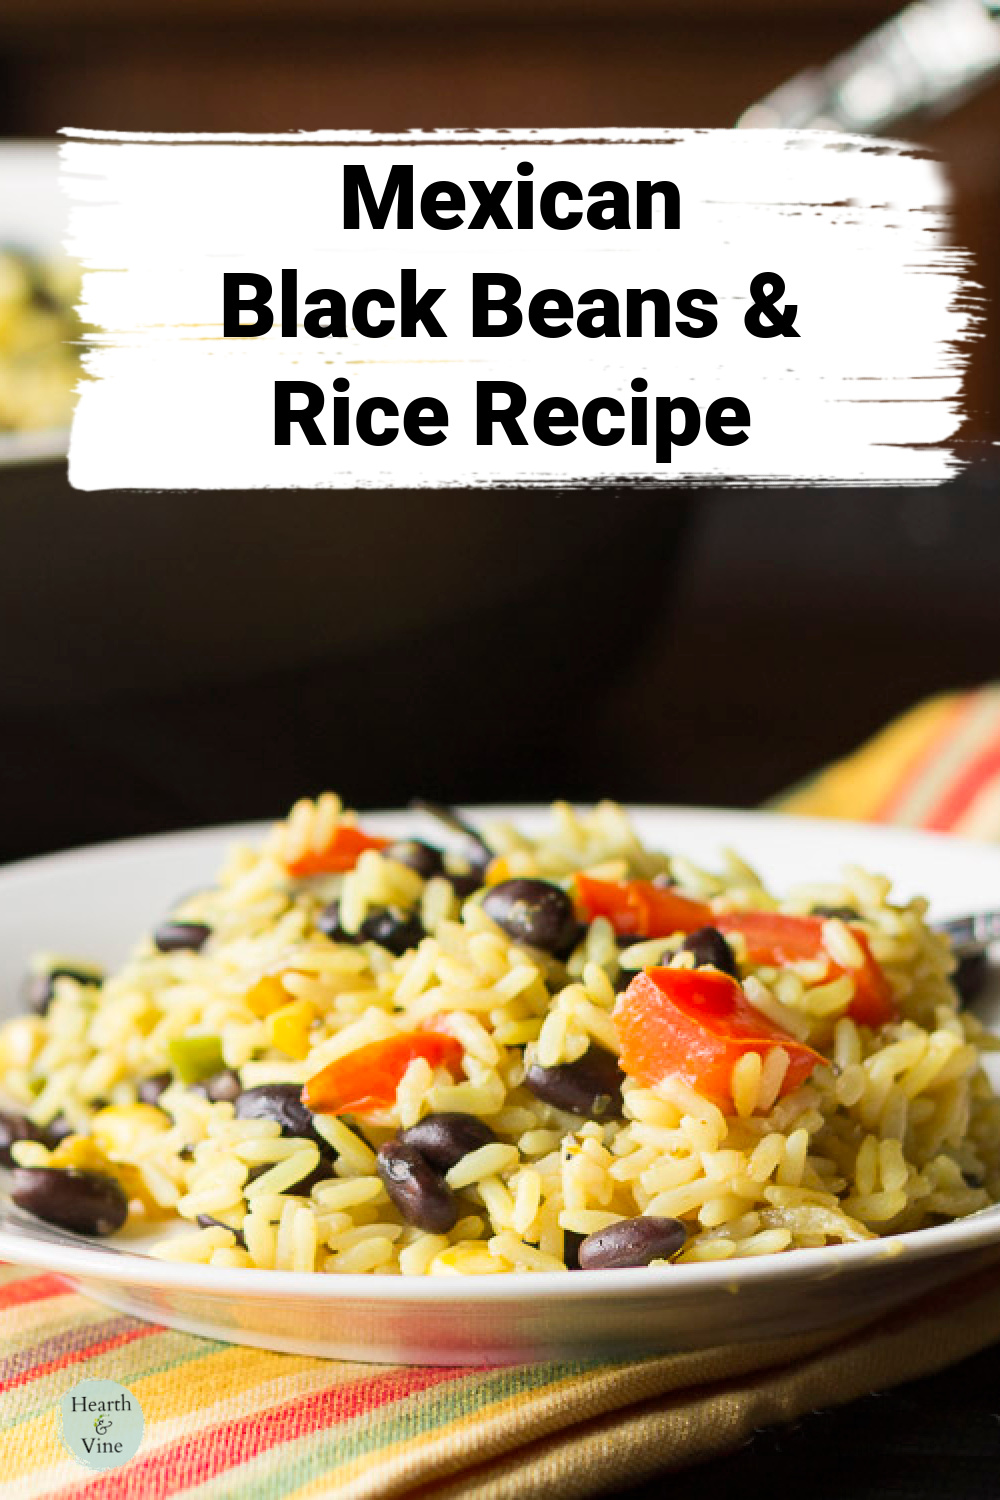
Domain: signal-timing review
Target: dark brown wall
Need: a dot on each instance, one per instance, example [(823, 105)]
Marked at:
[(710, 664)]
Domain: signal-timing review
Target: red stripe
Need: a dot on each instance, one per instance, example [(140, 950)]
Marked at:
[(201, 1456), (885, 812), (77, 1356), (32, 1289), (964, 789)]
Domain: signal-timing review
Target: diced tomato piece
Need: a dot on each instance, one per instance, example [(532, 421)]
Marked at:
[(367, 1079), (776, 939), (696, 1024), (772, 938), (339, 854), (638, 908)]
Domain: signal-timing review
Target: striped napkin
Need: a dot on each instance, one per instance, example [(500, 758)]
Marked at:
[(936, 767), (224, 1421)]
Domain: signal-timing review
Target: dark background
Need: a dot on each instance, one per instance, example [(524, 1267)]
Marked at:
[(170, 660)]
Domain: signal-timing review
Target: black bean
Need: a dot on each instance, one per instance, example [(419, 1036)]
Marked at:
[(477, 851), (710, 947), (632, 1242), (393, 929), (281, 1102), (416, 855), (205, 1221), (223, 1087), (571, 1249), (971, 973), (86, 1202), (15, 1127), (58, 1130), (591, 1086), (464, 884), (150, 1089), (172, 937), (39, 989), (842, 913), (328, 923), (443, 1139), (415, 1188), (534, 912)]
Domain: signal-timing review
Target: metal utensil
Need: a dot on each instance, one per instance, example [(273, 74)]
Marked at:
[(976, 931), (971, 937), (925, 60)]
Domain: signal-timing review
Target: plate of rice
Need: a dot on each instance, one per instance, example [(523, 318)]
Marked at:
[(516, 1084)]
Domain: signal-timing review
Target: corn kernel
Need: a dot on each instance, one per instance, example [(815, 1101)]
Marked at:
[(468, 1258), (288, 1028), (81, 1152), (122, 1129), (267, 995)]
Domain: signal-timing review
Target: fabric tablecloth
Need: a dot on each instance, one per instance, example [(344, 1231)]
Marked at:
[(224, 1421)]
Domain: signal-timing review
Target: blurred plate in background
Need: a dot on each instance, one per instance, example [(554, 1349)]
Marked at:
[(33, 217)]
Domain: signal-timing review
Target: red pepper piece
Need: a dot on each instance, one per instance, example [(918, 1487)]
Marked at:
[(367, 1079), (696, 1024), (341, 853)]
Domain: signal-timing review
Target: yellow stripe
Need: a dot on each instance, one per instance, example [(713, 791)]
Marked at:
[(975, 728), (859, 785)]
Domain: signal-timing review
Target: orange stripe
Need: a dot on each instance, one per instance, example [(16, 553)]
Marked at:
[(32, 1289), (963, 791), (885, 812)]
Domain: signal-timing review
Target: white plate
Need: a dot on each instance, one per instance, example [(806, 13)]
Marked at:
[(95, 902)]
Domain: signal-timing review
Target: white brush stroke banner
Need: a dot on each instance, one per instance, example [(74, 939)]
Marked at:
[(870, 391)]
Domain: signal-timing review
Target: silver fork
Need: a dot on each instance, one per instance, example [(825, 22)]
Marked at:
[(925, 60), (969, 933)]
